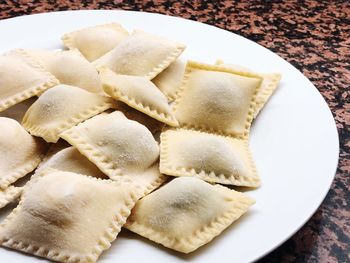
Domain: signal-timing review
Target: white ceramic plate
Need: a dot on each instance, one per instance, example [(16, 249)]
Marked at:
[(294, 140)]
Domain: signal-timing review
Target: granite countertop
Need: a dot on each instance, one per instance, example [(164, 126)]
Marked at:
[(314, 36)]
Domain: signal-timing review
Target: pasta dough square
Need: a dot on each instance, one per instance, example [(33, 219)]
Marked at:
[(268, 85), (139, 93), (71, 160), (152, 124), (67, 217), (32, 80), (210, 157), (60, 108), (16, 162), (69, 67), (120, 148), (141, 54), (9, 195), (169, 81), (93, 42), (187, 213), (216, 99)]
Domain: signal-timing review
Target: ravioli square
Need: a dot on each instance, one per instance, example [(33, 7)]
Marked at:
[(210, 157), (20, 152), (67, 217), (141, 54), (70, 160), (21, 78), (120, 148), (69, 67), (216, 99), (61, 108), (187, 213), (139, 93), (95, 41), (268, 85)]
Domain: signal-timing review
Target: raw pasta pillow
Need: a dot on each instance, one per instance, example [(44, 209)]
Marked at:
[(67, 217), (216, 99), (141, 54), (93, 42), (120, 148), (21, 78), (268, 85), (114, 143), (20, 152), (70, 68), (60, 108), (211, 157), (187, 213), (139, 93), (71, 160)]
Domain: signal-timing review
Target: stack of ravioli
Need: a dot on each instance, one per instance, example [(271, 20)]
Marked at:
[(118, 130)]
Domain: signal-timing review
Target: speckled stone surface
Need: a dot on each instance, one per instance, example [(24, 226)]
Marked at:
[(312, 35)]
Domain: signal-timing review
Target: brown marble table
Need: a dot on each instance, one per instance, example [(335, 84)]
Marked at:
[(312, 35)]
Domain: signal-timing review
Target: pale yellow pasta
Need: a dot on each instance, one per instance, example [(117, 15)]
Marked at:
[(93, 42), (169, 81), (211, 157), (67, 217), (120, 148), (141, 54), (114, 143), (60, 108), (69, 67), (216, 99), (152, 124), (187, 213), (268, 85), (70, 160), (9, 195), (20, 152), (21, 78), (139, 93)]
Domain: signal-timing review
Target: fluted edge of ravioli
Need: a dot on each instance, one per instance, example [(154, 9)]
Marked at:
[(20, 172), (240, 205), (177, 49), (168, 169), (53, 135), (193, 65), (145, 189), (31, 92), (69, 42), (167, 61), (112, 90), (102, 244), (109, 168), (146, 109), (9, 195), (264, 96), (88, 81), (177, 69), (264, 93), (26, 166)]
